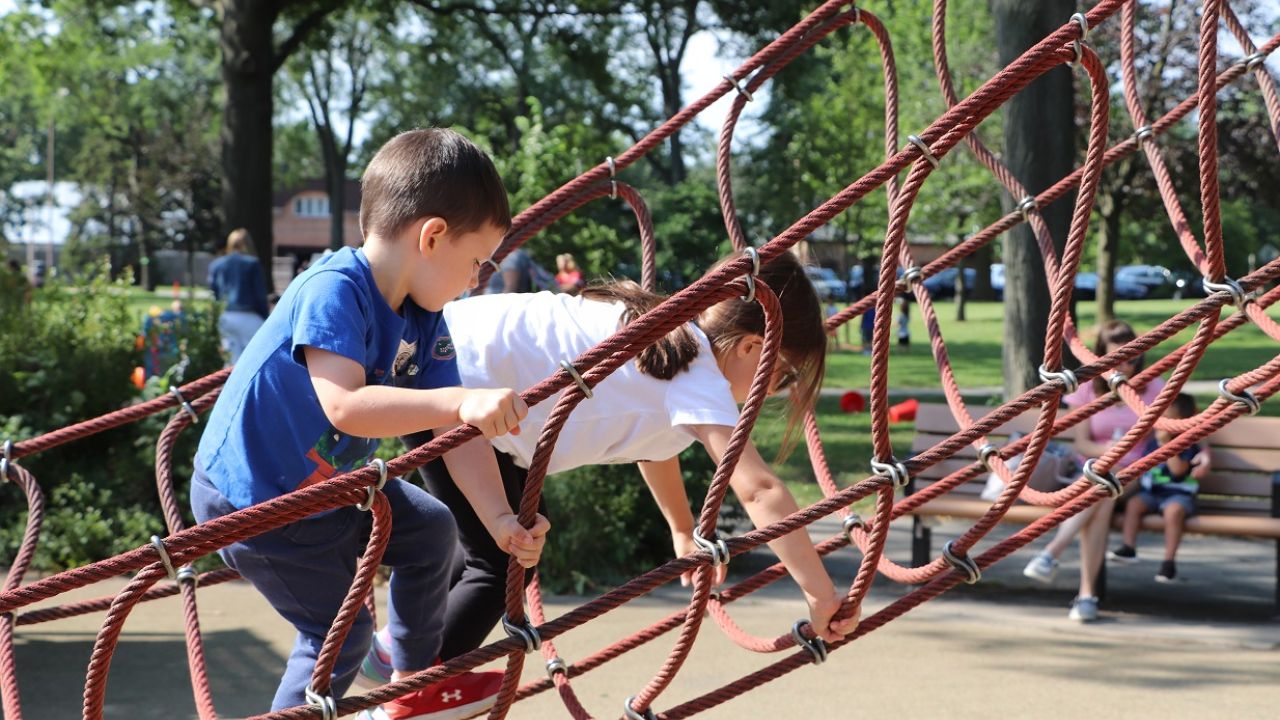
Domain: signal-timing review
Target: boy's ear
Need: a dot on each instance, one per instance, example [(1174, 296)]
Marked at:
[(431, 233)]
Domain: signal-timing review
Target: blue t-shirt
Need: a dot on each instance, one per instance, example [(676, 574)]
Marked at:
[(1161, 478), (267, 434)]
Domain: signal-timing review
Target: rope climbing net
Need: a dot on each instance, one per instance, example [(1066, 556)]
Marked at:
[(163, 567)]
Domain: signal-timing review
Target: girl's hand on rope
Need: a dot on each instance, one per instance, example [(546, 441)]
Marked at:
[(494, 412), (525, 544), (682, 541), (820, 612)]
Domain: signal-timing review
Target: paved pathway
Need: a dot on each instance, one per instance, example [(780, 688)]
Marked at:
[(1205, 647)]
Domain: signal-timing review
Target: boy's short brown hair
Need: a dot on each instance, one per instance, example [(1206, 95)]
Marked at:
[(431, 172)]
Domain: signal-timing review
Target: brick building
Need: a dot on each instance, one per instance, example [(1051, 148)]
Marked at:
[(300, 219)]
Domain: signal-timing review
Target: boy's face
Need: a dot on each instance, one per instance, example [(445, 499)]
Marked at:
[(451, 264)]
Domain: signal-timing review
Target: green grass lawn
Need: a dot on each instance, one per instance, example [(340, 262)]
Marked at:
[(974, 346)]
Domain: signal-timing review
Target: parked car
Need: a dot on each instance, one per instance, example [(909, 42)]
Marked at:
[(1187, 285), (827, 283), (943, 285), (1157, 280), (997, 280), (1087, 288), (857, 283)]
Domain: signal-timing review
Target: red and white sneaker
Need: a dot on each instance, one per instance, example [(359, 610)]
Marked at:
[(459, 697)]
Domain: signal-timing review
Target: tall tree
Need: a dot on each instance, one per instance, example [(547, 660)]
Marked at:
[(250, 58), (332, 77), (1039, 149)]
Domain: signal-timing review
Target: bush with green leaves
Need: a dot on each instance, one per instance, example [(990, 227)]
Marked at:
[(67, 354)]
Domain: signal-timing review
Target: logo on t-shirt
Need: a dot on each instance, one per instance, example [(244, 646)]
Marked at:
[(404, 364), (443, 349)]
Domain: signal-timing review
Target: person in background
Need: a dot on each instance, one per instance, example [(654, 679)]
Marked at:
[(237, 282), (1169, 489), (1092, 438), (568, 276), (514, 275)]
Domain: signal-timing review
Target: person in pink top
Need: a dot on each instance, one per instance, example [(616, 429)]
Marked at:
[(1092, 438)]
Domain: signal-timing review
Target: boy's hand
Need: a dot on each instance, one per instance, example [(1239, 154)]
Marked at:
[(525, 544), (683, 543), (820, 612), (494, 412)]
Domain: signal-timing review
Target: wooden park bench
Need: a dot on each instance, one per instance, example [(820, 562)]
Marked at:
[(1240, 498)]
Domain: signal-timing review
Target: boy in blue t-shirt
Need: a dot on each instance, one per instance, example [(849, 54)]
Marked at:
[(1169, 489), (312, 394)]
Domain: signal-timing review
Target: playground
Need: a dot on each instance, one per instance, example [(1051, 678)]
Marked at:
[(960, 632)]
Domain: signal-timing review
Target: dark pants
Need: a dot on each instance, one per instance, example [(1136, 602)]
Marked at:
[(305, 570), (477, 599)]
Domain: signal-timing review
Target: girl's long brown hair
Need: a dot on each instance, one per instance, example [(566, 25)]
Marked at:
[(1112, 335), (804, 337)]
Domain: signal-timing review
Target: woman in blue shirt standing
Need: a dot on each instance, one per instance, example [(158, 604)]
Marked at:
[(237, 282)]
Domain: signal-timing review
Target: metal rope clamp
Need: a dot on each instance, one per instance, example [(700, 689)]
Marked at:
[(1238, 295), (894, 470), (1026, 205), (1245, 397), (718, 548), (985, 453), (1254, 61), (755, 271), (1064, 376), (632, 714), (1143, 134), (6, 460), (738, 86), (1107, 481), (1115, 380), (186, 406), (158, 544), (851, 521), (327, 704), (613, 177), (924, 150), (963, 563), (557, 665), (381, 464), (910, 275), (1078, 45), (526, 632), (577, 378), (817, 647)]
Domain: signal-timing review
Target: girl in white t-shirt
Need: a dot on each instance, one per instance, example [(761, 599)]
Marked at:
[(685, 388)]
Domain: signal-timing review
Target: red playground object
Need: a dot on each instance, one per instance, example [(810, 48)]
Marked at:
[(904, 411), (853, 402)]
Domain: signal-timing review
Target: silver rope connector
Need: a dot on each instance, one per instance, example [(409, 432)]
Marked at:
[(718, 548), (738, 86), (1238, 296), (186, 406), (1026, 205), (1107, 481), (894, 470), (851, 521), (924, 150), (526, 632), (327, 704), (1143, 134), (381, 464), (817, 647), (1246, 398), (632, 714), (985, 453), (6, 460), (1064, 376), (1078, 45), (755, 271), (556, 665), (1115, 380), (963, 563), (1254, 61), (158, 544), (577, 378), (613, 177)]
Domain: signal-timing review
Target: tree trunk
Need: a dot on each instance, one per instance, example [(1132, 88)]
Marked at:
[(961, 289), (335, 180), (1108, 245), (248, 58), (982, 289), (1039, 149)]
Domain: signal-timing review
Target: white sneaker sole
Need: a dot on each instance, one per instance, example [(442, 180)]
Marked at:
[(462, 712)]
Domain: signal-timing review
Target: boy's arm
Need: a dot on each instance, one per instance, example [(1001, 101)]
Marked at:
[(475, 471), (1202, 463), (377, 411), (767, 501), (667, 485)]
